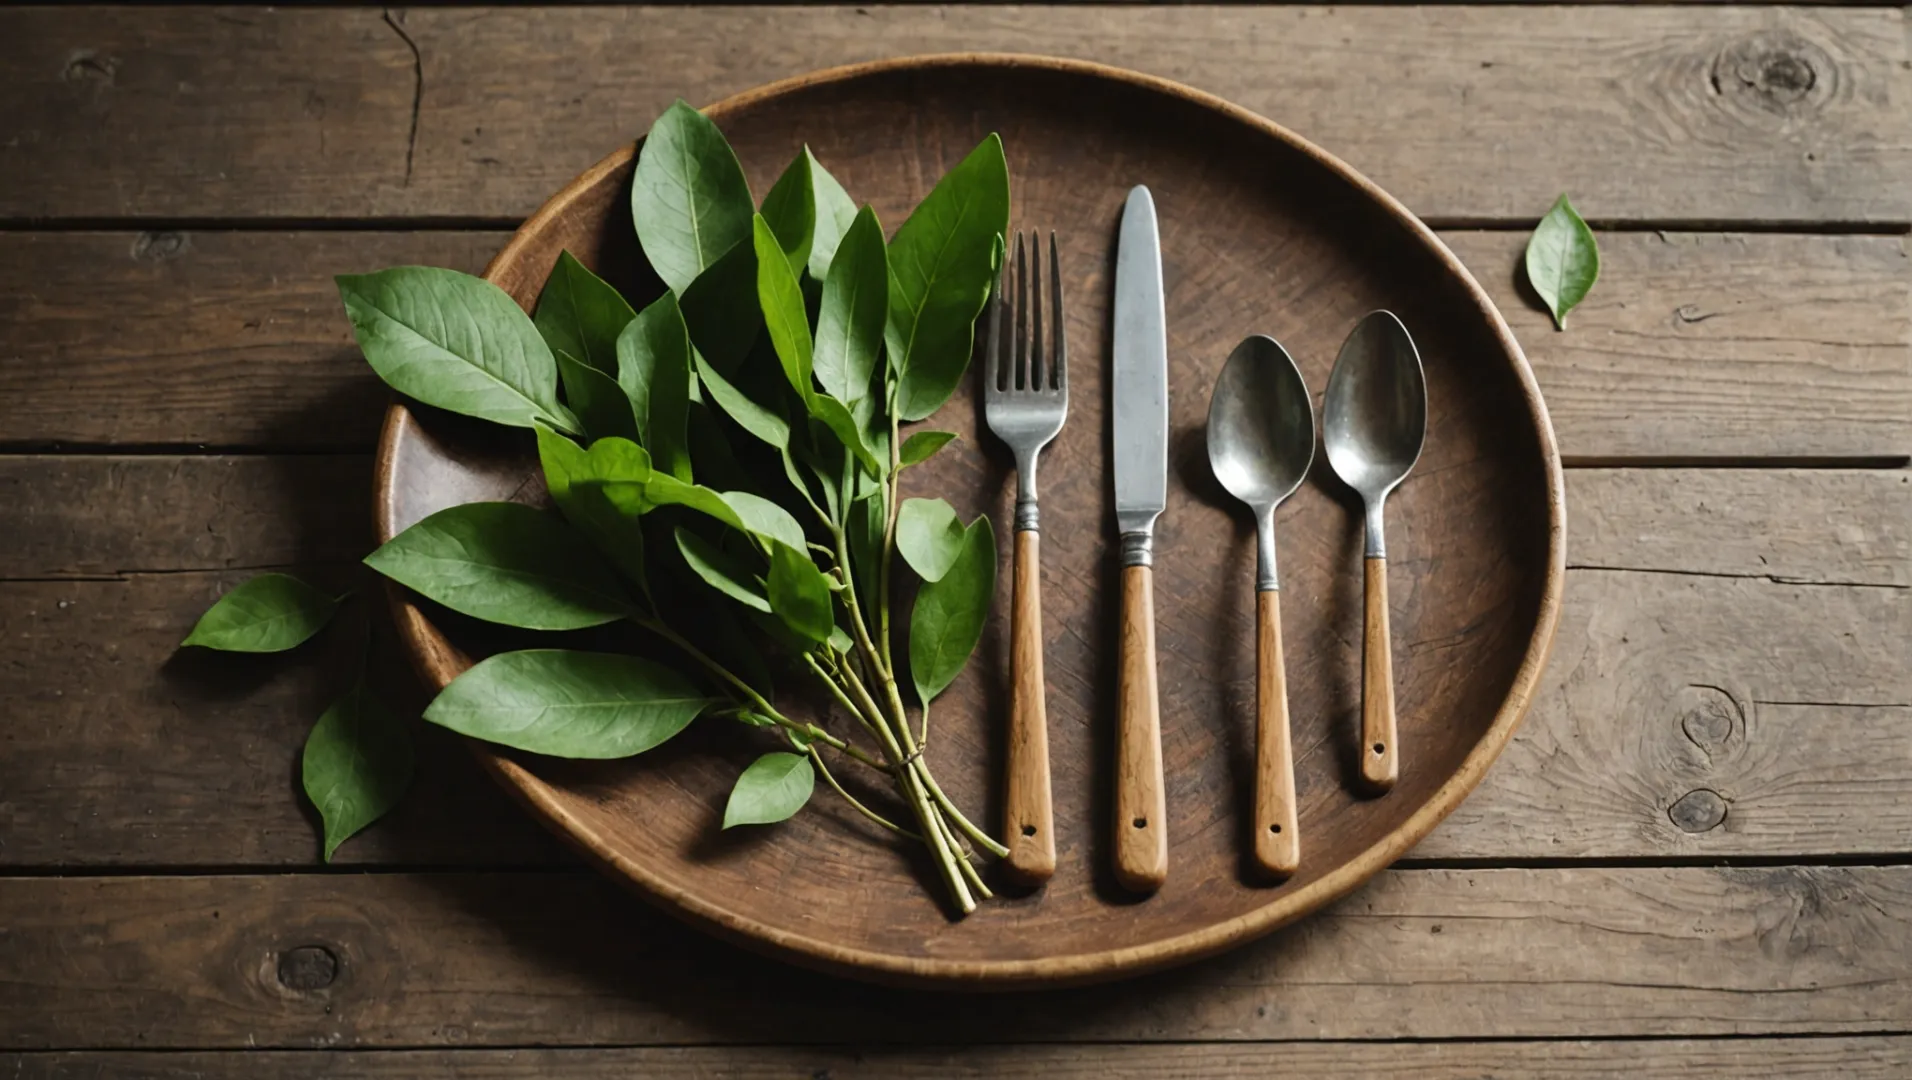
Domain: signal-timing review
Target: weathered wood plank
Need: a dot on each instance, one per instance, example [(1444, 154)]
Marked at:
[(1725, 683), (1692, 346), (1464, 112), (563, 959), (1857, 1058)]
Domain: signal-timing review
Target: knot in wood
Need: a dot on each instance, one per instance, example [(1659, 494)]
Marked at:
[(1775, 71), (1698, 811), (159, 246), (308, 968), (87, 66), (1709, 716)]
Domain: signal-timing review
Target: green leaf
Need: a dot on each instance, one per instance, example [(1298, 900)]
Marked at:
[(784, 315), (357, 765), (799, 593), (665, 490), (653, 367), (947, 621), (766, 518), (270, 613), (929, 536), (454, 341), (835, 211), (763, 422), (774, 787), (720, 571), (855, 308), (865, 524), (569, 704), (599, 402), (1562, 260), (837, 417), (586, 488), (689, 198), (505, 563), (922, 445), (791, 210), (721, 308), (942, 262), (579, 313)]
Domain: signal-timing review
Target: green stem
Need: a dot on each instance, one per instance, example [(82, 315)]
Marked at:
[(817, 759), (891, 488)]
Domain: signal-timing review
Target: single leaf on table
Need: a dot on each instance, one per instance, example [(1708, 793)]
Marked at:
[(721, 307), (653, 368), (569, 704), (922, 445), (799, 593), (457, 342), (585, 484), (269, 613), (765, 518), (760, 420), (835, 211), (505, 563), (947, 621), (356, 766), (784, 314), (579, 313), (854, 311), (791, 210), (929, 536), (1563, 261), (689, 198), (598, 401), (942, 263), (774, 787), (720, 571)]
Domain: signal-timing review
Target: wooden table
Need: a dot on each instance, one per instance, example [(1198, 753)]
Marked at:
[(1695, 859)]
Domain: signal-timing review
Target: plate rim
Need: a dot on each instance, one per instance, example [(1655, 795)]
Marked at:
[(432, 656)]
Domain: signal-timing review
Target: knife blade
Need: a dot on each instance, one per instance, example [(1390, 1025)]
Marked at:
[(1140, 416), (1141, 379)]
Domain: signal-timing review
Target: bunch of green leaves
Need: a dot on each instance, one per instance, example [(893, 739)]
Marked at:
[(724, 461)]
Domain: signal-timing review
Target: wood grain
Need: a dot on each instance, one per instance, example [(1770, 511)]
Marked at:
[(1694, 346), (1277, 833), (1029, 820), (1688, 581), (1654, 113), (441, 960), (1380, 747), (1140, 827), (1858, 1058)]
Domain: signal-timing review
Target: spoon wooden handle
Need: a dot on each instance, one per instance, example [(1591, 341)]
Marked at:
[(1028, 813), (1277, 837), (1141, 826), (1380, 754)]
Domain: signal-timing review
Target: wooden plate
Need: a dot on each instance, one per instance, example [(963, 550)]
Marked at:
[(1262, 233)]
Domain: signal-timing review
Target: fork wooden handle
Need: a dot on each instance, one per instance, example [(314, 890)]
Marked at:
[(1277, 839), (1028, 813), (1380, 750), (1141, 826)]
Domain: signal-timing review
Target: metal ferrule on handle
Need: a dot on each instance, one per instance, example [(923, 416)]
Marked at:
[(1377, 546), (1138, 547), (1028, 516), (1266, 579)]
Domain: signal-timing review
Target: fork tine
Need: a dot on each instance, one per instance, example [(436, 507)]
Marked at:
[(1018, 379), (992, 349), (1059, 355), (1038, 369)]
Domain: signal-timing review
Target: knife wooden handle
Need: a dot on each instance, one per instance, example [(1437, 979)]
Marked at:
[(1141, 825), (1028, 813), (1277, 838), (1380, 754)]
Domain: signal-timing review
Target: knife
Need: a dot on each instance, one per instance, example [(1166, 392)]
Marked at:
[(1140, 408)]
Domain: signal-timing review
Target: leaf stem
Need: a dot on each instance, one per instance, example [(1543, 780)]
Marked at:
[(831, 779)]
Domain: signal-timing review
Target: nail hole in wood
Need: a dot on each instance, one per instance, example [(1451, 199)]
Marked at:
[(1141, 823), (1029, 830), (1274, 828)]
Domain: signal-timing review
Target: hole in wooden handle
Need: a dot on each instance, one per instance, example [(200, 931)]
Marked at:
[(1141, 823)]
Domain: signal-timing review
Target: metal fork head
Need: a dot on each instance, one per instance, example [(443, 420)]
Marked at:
[(1026, 377)]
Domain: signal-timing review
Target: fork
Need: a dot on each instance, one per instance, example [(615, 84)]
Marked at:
[(1025, 402)]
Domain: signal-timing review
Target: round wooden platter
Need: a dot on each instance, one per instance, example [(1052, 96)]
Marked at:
[(1261, 233)]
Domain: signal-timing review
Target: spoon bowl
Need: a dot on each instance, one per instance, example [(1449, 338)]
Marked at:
[(1374, 419)]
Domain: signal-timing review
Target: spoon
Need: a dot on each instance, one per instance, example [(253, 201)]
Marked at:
[(1373, 423), (1261, 439)]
